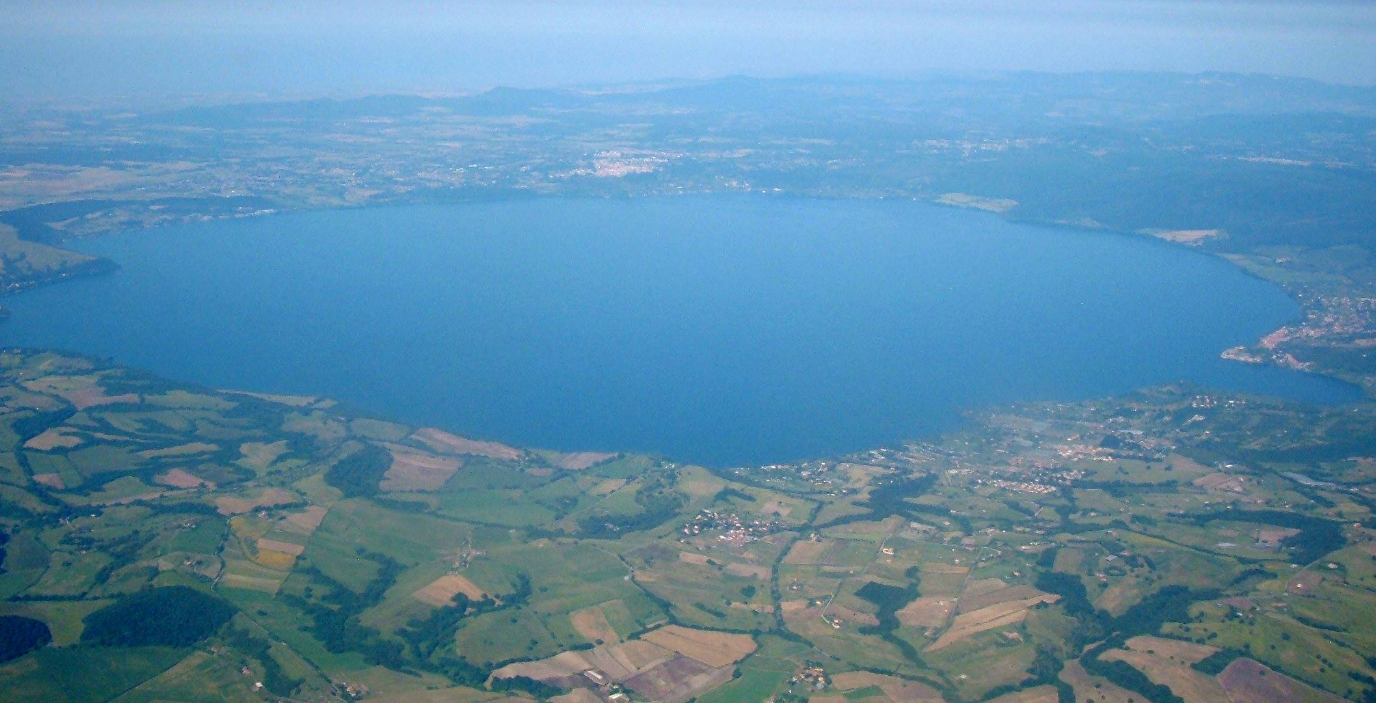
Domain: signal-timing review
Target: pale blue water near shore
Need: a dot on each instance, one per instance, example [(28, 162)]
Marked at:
[(723, 330)]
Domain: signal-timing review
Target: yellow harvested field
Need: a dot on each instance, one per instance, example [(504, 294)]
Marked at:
[(414, 470), (711, 648), (306, 521), (927, 612), (442, 590), (618, 662), (592, 624), (179, 450), (180, 478), (1275, 535), (971, 601), (895, 689), (977, 202), (1159, 666), (851, 680), (53, 438), (940, 568), (1040, 694), (608, 486), (1191, 237), (699, 485), (994, 616), (268, 498), (295, 401), (850, 615), (577, 461), (577, 695), (640, 654), (1219, 482), (776, 507), (49, 480), (691, 558), (1187, 652), (250, 583), (280, 546), (456, 694), (260, 455), (442, 441), (277, 561), (1093, 689), (1304, 583), (1248, 681), (807, 552), (755, 570), (900, 691), (979, 587), (80, 391)]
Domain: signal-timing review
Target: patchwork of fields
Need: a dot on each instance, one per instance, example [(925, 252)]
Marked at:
[(1105, 552)]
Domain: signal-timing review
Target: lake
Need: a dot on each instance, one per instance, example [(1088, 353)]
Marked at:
[(721, 330)]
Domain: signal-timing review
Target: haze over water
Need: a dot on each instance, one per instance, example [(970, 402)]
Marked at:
[(722, 330)]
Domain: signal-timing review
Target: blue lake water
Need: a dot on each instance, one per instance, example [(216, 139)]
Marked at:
[(722, 330)]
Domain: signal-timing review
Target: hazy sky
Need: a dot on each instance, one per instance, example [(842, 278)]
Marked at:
[(76, 48)]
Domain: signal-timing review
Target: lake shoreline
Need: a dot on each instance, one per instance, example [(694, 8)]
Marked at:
[(958, 412)]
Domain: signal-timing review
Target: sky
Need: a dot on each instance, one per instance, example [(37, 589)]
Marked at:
[(85, 48)]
